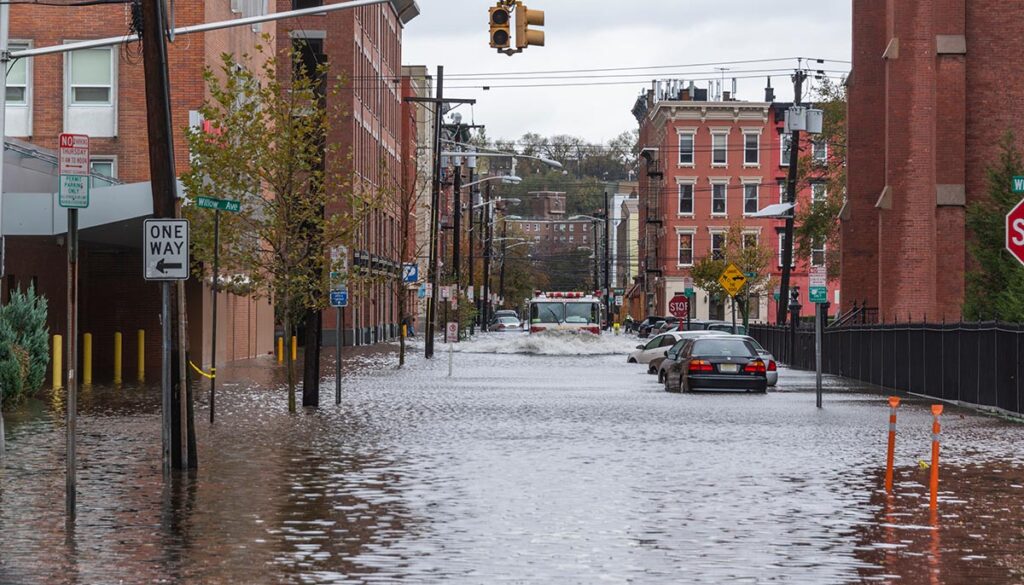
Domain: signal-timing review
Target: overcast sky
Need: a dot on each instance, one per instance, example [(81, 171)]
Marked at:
[(601, 34)]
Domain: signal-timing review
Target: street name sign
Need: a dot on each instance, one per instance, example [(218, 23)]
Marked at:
[(1018, 184), (218, 204), (410, 273), (679, 306), (166, 249), (73, 168), (732, 280), (817, 288), (1015, 231), (339, 298)]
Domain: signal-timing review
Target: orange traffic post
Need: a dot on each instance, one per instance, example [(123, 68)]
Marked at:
[(936, 432), (280, 350), (894, 402), (295, 348)]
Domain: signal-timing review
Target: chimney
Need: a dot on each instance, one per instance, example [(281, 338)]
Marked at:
[(726, 96), (769, 93)]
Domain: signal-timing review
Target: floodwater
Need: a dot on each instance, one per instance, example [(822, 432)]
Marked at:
[(538, 461)]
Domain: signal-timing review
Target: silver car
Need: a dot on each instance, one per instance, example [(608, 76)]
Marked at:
[(769, 359)]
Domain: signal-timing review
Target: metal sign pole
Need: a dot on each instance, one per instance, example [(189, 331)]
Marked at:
[(337, 356), (71, 412), (817, 351), (213, 311), (165, 372)]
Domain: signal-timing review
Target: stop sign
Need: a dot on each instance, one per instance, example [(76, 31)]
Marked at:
[(1015, 232), (679, 306)]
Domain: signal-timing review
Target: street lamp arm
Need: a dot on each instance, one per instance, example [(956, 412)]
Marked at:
[(545, 160)]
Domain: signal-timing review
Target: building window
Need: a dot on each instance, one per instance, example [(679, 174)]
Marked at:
[(719, 149), (686, 148), (717, 245), (754, 307), (782, 244), (299, 4), (685, 199), (819, 193), (572, 227), (750, 198), (17, 78), (818, 253), (782, 191), (92, 77), (750, 240), (751, 149), (106, 166), (685, 249), (572, 238), (819, 151), (718, 199), (786, 142)]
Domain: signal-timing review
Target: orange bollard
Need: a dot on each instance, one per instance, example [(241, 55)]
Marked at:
[(936, 432), (280, 350), (894, 403)]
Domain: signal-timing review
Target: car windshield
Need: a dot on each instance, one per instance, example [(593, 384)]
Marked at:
[(507, 320), (547, 312), (581, 313), (723, 347)]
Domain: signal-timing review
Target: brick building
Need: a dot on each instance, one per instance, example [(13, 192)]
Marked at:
[(919, 142), (544, 221), (100, 92), (364, 47), (707, 166)]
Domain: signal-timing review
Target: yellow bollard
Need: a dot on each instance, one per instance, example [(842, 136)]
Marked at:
[(142, 356), (295, 348), (280, 350), (87, 359), (56, 359), (405, 331), (117, 357)]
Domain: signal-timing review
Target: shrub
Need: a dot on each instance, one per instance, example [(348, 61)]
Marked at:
[(24, 345)]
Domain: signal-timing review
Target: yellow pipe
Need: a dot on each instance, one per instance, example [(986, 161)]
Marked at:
[(117, 357), (142, 355), (57, 358), (295, 348), (87, 359), (280, 350)]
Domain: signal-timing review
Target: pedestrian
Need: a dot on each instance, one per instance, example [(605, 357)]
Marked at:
[(410, 326)]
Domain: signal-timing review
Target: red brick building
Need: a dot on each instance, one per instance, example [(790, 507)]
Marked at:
[(931, 93), (364, 47), (100, 92), (710, 165)]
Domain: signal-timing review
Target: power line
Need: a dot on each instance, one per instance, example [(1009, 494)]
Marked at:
[(635, 68)]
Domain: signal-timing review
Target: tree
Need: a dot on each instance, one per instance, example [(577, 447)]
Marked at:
[(24, 345), (995, 281), (267, 147), (818, 223), (749, 255)]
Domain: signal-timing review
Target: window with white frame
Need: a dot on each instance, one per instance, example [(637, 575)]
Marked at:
[(751, 200), (18, 77), (782, 190), (686, 148), (717, 245), (685, 198), (102, 165), (819, 151), (819, 192), (718, 199), (786, 143), (750, 239), (91, 77), (572, 227), (751, 149), (719, 148), (685, 249), (818, 252), (782, 247)]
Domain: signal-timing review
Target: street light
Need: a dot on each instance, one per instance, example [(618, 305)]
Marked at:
[(512, 200), (543, 159), (507, 179)]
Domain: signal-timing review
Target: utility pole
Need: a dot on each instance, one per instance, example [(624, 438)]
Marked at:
[(435, 211), (485, 296), (607, 259), (593, 237), (504, 250), (472, 261), (787, 242)]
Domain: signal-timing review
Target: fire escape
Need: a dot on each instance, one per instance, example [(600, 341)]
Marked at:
[(653, 222)]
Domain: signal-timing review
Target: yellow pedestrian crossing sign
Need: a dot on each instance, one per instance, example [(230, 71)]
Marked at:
[(732, 280)]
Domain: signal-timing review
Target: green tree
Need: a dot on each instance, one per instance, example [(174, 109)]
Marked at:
[(267, 148), (995, 282), (749, 255), (819, 222), (24, 345)]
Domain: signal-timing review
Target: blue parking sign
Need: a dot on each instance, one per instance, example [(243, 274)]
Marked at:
[(410, 273), (339, 298)]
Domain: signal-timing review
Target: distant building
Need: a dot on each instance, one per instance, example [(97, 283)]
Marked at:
[(544, 221), (707, 165), (627, 235), (418, 138), (930, 96)]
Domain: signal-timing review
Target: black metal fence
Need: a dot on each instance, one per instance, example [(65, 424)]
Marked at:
[(974, 363)]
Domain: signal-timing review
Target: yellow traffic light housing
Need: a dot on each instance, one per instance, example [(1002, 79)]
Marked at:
[(524, 19), (501, 27)]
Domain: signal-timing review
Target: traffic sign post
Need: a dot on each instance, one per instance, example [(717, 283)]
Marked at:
[(166, 249), (732, 280), (410, 273), (339, 300), (679, 306), (817, 289), (73, 168), (229, 205), (1015, 228)]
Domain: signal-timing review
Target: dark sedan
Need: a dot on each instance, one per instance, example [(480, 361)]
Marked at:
[(644, 330), (727, 364)]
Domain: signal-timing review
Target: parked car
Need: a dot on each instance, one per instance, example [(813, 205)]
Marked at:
[(656, 347), (506, 323), (670, 324), (726, 327), (657, 363), (715, 363), (644, 329), (769, 359), (504, 313)]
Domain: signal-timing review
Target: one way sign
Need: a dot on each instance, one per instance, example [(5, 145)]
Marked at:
[(166, 249)]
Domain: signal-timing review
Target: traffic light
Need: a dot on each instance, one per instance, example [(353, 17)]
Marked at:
[(524, 19), (501, 27)]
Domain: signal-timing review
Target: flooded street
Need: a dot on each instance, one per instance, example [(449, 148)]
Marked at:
[(538, 461)]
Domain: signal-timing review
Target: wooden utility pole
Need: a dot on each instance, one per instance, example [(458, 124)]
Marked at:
[(787, 243)]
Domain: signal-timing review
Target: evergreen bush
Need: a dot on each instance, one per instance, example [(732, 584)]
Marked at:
[(24, 345)]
